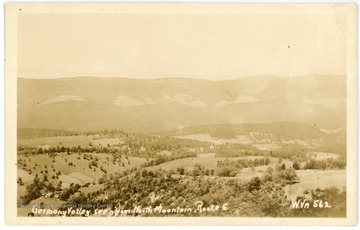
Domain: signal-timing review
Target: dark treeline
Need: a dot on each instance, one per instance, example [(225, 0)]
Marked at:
[(244, 163), (27, 133), (237, 150), (229, 168), (325, 164), (293, 152)]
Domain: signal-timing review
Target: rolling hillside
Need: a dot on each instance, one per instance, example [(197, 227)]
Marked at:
[(264, 136)]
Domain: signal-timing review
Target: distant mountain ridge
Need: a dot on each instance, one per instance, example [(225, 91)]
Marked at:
[(282, 130), (157, 105)]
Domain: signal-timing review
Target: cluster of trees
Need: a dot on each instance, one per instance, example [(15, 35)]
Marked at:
[(66, 193), (287, 175), (21, 163), (25, 133), (52, 151), (229, 168), (293, 152), (227, 171), (39, 187), (27, 150), (20, 181), (237, 150), (329, 163), (198, 170), (244, 163), (35, 189)]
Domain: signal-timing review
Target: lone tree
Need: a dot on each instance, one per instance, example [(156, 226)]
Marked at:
[(20, 181), (296, 165)]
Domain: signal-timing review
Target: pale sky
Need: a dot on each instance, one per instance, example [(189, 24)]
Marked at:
[(208, 46)]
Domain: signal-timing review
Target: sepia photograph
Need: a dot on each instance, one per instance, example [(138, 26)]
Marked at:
[(182, 113)]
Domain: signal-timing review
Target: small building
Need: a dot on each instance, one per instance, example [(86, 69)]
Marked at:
[(165, 153), (49, 194), (142, 149)]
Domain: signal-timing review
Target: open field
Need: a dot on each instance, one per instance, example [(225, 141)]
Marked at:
[(66, 141), (25, 176), (312, 179)]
